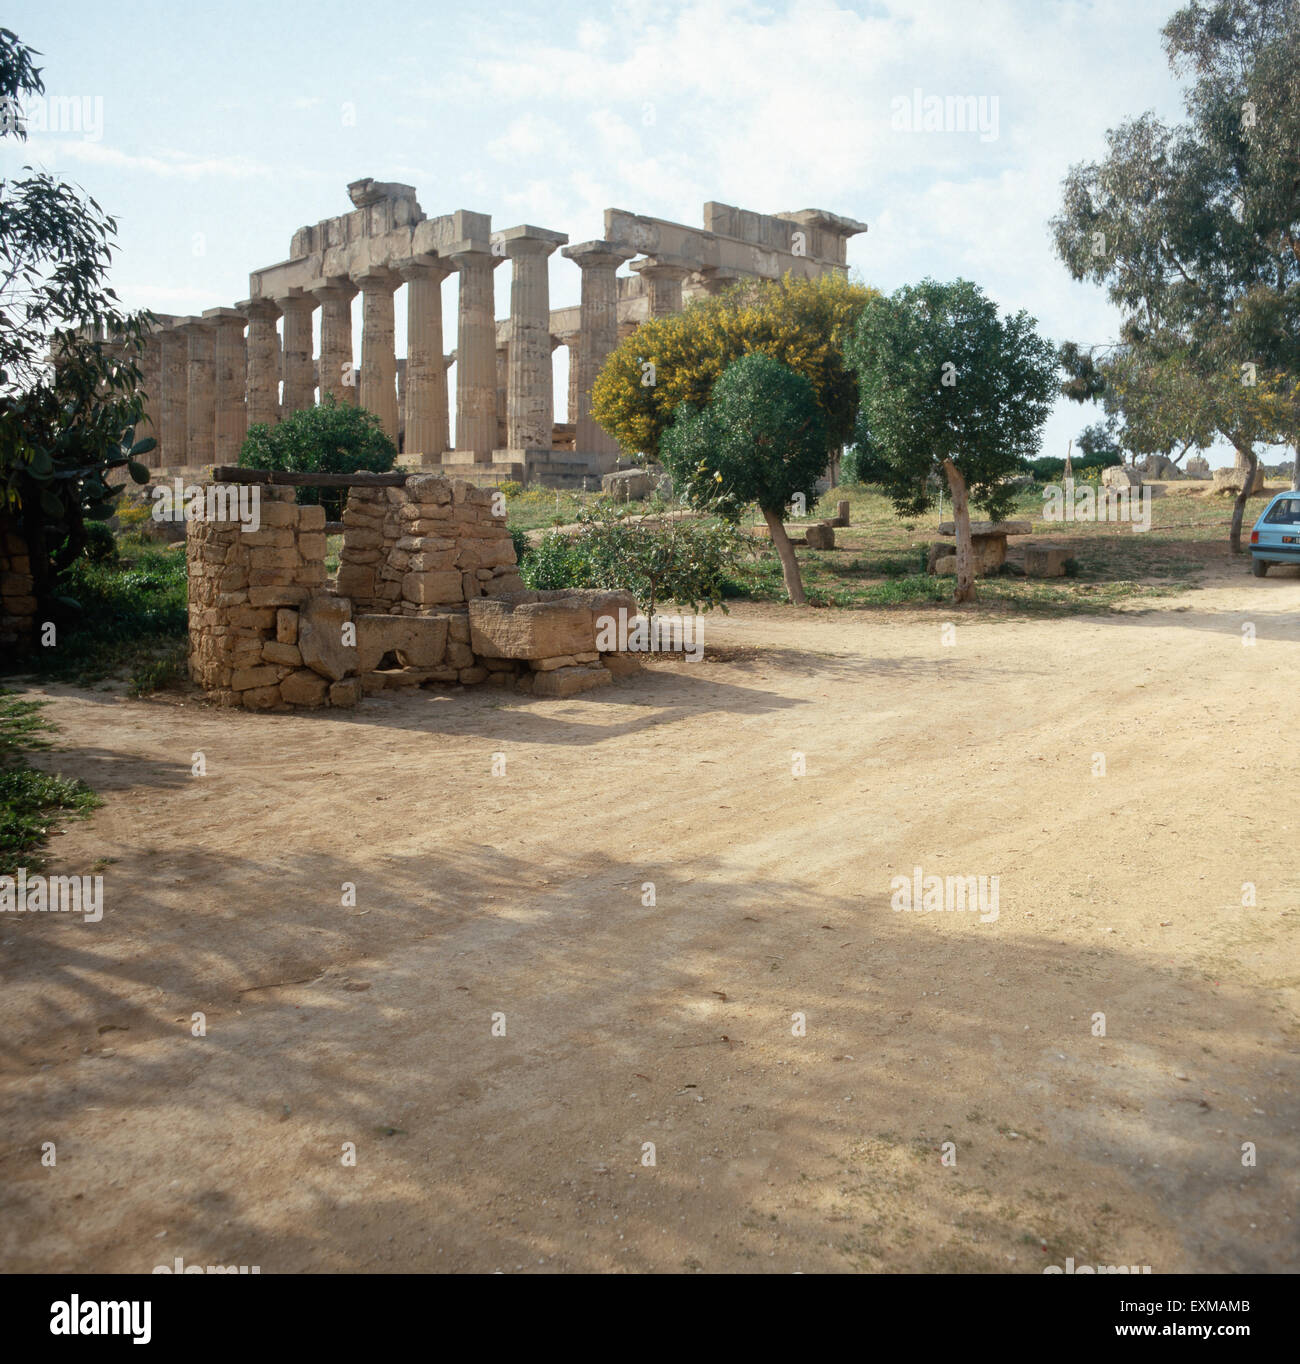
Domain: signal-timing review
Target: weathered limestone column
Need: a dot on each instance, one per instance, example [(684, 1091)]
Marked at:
[(150, 423), (597, 336), (427, 425), (230, 354), (378, 359), (263, 361), (476, 346), (201, 401), (663, 284), (503, 387), (175, 394), (299, 370), (335, 297), (530, 399)]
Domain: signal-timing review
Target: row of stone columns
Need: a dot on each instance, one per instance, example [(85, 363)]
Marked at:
[(206, 384)]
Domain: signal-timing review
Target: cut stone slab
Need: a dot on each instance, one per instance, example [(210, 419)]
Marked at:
[(542, 624), (627, 485), (570, 681), (1045, 561), (320, 636), (819, 536), (418, 641)]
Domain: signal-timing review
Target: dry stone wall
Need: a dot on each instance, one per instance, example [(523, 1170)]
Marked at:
[(17, 603)]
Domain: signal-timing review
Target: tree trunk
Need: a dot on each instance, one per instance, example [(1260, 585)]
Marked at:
[(1247, 463), (785, 552), (1295, 466), (961, 518)]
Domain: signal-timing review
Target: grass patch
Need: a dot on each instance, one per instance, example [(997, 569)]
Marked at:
[(879, 558), (132, 622), (31, 801)]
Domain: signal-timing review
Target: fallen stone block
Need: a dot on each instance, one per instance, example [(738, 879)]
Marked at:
[(570, 681), (1045, 561)]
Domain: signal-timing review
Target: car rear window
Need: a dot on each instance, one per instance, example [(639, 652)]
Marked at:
[(1286, 512)]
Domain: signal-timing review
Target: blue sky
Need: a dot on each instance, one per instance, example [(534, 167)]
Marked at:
[(227, 126)]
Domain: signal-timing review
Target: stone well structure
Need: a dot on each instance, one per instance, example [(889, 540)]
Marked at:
[(427, 592), (208, 377)]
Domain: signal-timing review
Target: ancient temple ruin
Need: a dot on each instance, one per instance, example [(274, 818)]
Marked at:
[(208, 378)]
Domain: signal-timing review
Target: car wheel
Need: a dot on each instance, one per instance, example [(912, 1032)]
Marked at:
[(1258, 567)]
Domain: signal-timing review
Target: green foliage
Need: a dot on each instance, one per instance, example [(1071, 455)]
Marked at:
[(101, 545), (63, 425), (334, 438), (523, 547), (119, 616), (1194, 231), (675, 360), (679, 559), (987, 419), (1050, 469), (30, 799), (761, 439)]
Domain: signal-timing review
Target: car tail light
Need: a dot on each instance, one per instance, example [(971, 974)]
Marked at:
[(1254, 537)]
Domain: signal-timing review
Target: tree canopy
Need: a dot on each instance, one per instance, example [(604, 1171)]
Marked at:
[(761, 439), (1194, 231), (668, 361), (947, 385), (69, 376), (333, 438)]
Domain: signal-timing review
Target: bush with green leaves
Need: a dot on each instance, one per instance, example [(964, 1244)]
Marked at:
[(761, 439), (682, 559), (334, 438)]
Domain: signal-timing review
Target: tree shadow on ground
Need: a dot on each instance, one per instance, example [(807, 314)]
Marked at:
[(625, 1024)]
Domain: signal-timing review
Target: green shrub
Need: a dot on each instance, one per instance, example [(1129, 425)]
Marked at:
[(334, 438), (686, 560), (101, 547)]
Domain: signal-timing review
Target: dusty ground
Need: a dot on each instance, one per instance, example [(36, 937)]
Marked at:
[(626, 1024)]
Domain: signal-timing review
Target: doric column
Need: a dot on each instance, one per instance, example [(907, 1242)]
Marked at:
[(150, 423), (231, 363), (175, 394), (263, 361), (598, 335), (475, 350), (378, 359), (427, 425), (200, 405), (663, 284), (503, 387), (299, 370), (530, 399), (335, 297)]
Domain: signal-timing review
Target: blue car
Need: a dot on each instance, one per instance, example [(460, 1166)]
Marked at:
[(1276, 537)]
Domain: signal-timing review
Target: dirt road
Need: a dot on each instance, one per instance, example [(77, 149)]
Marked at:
[(517, 904)]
